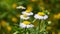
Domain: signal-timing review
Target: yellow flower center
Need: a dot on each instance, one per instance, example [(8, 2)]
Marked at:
[(41, 13), (28, 11), (26, 22), (29, 8), (25, 15)]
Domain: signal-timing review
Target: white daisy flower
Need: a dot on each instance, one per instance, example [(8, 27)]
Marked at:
[(24, 17), (40, 15), (26, 24), (20, 7), (28, 14)]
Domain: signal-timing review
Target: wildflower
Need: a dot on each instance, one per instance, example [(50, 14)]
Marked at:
[(14, 19), (14, 5), (40, 15), (9, 28), (27, 12), (56, 16), (20, 7), (3, 23), (24, 17), (26, 24)]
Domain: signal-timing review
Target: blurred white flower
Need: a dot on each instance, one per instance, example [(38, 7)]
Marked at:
[(27, 13), (22, 25), (40, 16), (26, 24), (20, 7), (24, 17)]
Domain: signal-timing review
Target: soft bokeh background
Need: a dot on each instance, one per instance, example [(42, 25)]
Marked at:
[(9, 15)]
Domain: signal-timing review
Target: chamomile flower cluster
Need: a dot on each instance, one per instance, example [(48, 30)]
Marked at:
[(26, 24), (25, 14)]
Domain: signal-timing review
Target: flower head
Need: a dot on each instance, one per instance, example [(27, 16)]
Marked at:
[(28, 11), (40, 15), (26, 24)]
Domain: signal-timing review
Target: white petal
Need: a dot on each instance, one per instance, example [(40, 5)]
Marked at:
[(22, 25), (28, 14), (41, 17), (36, 16), (31, 13), (30, 26), (45, 17)]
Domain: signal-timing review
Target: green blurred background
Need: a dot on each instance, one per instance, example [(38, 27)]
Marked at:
[(9, 15)]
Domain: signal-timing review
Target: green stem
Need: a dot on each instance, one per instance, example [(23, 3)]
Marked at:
[(25, 31), (43, 25), (35, 32), (34, 20), (28, 31), (39, 27)]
